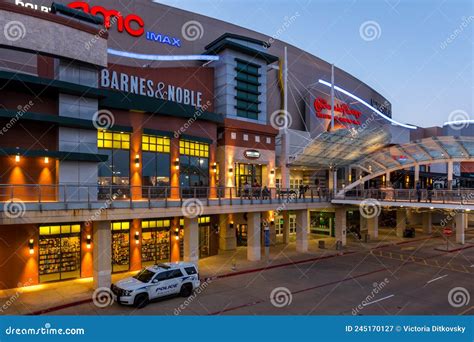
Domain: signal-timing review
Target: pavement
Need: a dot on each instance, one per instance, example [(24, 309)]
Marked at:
[(322, 281)]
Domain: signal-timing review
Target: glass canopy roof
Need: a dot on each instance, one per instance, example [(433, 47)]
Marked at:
[(421, 151)]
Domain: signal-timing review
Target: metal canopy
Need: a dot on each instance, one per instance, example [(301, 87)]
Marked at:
[(340, 148), (422, 151)]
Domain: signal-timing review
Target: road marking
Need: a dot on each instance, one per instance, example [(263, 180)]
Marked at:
[(378, 300), (432, 280)]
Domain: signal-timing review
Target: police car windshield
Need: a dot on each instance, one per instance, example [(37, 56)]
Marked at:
[(144, 276)]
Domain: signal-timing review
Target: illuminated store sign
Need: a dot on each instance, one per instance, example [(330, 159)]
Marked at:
[(132, 23), (252, 154), (146, 87), (345, 113)]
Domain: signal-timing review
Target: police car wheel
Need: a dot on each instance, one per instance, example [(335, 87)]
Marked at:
[(186, 290), (141, 300)]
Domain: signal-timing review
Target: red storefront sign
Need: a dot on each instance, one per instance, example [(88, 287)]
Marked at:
[(132, 23), (345, 114)]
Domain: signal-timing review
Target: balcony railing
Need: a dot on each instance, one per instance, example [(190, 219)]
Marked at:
[(142, 196), (460, 196)]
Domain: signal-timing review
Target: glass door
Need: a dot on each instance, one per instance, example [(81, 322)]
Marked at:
[(242, 234)]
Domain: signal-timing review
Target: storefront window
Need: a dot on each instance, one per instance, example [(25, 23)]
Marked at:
[(204, 235), (156, 164), (155, 241), (194, 166), (120, 246), (59, 252), (116, 170), (247, 173), (279, 222), (322, 223)]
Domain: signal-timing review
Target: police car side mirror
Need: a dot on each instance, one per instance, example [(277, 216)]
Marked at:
[(154, 281)]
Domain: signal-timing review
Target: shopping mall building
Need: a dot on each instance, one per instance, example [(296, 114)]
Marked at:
[(139, 133)]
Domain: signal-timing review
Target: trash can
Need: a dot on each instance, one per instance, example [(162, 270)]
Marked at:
[(366, 237), (322, 244), (339, 245)]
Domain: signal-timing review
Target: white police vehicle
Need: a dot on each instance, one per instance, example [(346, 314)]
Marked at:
[(157, 281)]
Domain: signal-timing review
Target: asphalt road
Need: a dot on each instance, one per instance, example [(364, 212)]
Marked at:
[(409, 279)]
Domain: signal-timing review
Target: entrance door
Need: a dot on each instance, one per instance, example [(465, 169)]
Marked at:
[(204, 235), (247, 173), (242, 234)]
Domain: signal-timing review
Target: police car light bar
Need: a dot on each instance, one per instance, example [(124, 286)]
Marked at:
[(367, 105), (162, 57)]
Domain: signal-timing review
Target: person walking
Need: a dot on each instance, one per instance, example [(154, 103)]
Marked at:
[(418, 191)]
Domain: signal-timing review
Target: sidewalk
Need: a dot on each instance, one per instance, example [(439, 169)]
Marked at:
[(41, 297)]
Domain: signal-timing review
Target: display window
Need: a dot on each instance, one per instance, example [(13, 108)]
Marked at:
[(204, 235), (156, 168), (116, 170), (155, 241), (120, 246), (59, 252), (322, 223), (194, 168)]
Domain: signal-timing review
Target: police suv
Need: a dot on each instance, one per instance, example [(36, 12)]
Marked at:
[(157, 281)]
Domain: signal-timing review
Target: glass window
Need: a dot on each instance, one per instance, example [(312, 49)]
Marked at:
[(152, 143), (247, 87), (120, 246), (175, 274), (194, 167), (155, 241), (190, 270)]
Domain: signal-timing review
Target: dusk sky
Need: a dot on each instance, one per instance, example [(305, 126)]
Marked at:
[(421, 57)]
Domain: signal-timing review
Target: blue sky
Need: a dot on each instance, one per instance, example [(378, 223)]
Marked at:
[(410, 62)]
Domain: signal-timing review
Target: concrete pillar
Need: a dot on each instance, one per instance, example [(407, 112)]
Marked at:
[(362, 222), (387, 179), (102, 253), (450, 175), (253, 237), (427, 222), (460, 225), (401, 221), (227, 237), (466, 227), (191, 239), (373, 227), (302, 223), (341, 225), (286, 227), (417, 175)]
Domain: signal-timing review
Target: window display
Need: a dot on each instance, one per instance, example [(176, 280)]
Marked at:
[(120, 246), (59, 252), (155, 241)]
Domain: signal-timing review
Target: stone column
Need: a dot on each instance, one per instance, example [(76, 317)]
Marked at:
[(253, 237), (401, 221), (227, 237), (302, 222), (417, 175), (387, 180), (460, 225), (450, 175), (286, 227), (373, 227), (102, 254), (191, 239), (341, 225), (427, 222)]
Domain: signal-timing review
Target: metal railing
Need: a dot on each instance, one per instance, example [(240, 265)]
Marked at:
[(458, 196), (73, 193)]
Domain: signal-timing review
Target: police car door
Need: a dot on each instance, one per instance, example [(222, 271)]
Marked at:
[(161, 285)]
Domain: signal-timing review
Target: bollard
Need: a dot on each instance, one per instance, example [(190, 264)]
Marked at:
[(322, 244), (339, 245), (234, 265)]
